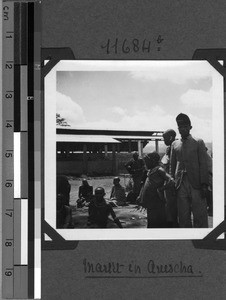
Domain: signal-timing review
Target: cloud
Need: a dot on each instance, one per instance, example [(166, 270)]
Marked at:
[(197, 98), (175, 71), (153, 119), (201, 128), (156, 118), (117, 110), (68, 109)]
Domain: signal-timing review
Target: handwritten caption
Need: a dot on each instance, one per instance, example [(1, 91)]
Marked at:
[(148, 269), (127, 46)]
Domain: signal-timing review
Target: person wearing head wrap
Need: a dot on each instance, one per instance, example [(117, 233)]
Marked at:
[(135, 167), (151, 196), (85, 193), (118, 193), (189, 168), (170, 195)]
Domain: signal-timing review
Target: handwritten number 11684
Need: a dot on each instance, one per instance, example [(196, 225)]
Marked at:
[(126, 46)]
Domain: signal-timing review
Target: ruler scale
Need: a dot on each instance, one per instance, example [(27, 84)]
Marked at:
[(20, 220), (7, 151), (21, 138)]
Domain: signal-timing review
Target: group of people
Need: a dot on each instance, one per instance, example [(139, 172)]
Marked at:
[(174, 190), (98, 208)]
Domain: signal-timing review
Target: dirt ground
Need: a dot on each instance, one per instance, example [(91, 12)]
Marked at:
[(129, 216)]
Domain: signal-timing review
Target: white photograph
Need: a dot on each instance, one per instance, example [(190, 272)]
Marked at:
[(134, 149)]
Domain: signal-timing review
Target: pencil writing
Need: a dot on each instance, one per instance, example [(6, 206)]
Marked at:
[(127, 45)]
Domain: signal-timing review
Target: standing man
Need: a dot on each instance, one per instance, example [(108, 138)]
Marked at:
[(136, 168), (188, 166), (170, 193)]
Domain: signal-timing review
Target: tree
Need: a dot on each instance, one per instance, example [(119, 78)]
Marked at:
[(61, 121)]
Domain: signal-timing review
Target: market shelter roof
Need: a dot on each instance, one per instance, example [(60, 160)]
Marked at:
[(74, 138), (105, 136)]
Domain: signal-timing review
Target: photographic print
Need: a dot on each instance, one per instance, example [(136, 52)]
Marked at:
[(133, 148)]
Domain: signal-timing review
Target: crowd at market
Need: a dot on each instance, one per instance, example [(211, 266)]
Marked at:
[(175, 190)]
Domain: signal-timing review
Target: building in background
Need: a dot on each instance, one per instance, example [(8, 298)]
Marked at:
[(99, 152)]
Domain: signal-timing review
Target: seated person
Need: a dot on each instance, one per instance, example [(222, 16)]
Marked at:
[(63, 187), (64, 213), (85, 193), (118, 192), (99, 211)]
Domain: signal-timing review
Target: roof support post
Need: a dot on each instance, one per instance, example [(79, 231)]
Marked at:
[(85, 161), (157, 146), (113, 160), (105, 150), (140, 148), (130, 146)]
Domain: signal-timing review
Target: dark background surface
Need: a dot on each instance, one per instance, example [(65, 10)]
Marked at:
[(84, 26)]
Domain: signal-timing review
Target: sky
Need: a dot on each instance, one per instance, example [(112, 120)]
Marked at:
[(146, 98)]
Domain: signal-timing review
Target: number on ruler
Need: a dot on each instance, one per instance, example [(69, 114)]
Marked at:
[(10, 214), (8, 95), (8, 184), (8, 273), (8, 244), (9, 154), (8, 66), (6, 13), (8, 125)]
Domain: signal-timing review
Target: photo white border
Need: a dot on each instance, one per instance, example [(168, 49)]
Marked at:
[(129, 234)]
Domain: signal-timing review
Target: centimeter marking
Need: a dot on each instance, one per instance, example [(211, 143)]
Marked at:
[(21, 133), (8, 153)]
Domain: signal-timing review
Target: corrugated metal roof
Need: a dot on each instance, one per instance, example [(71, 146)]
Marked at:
[(86, 139), (130, 137), (107, 132)]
